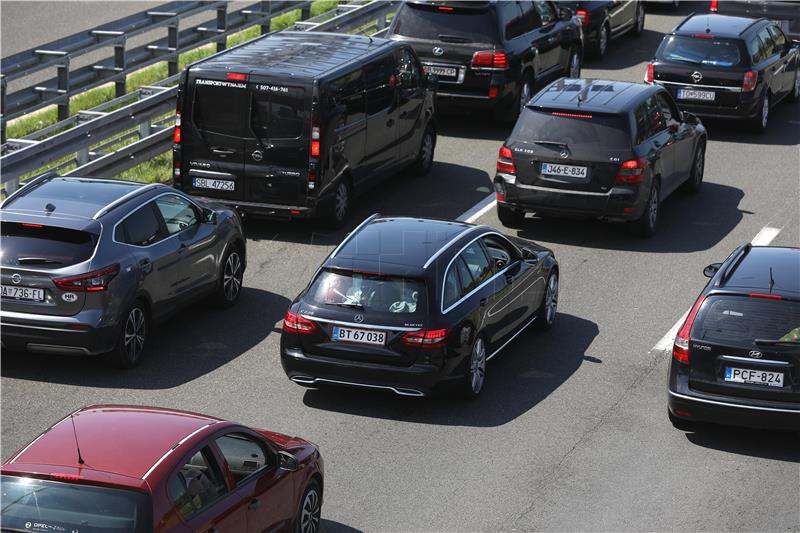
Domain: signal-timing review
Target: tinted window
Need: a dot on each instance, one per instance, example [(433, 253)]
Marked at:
[(379, 77), (278, 111), (778, 37), (530, 16), (461, 25), (348, 92), (755, 48), (140, 228), (178, 213), (739, 320), (243, 454), (477, 262), (501, 251), (578, 132), (452, 288), (768, 43), (468, 282), (408, 70), (641, 116), (546, 12), (370, 292), (221, 107), (511, 17), (668, 113), (44, 246), (197, 484), (57, 506), (697, 51)]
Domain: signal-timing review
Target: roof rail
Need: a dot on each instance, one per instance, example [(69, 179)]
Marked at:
[(124, 198), (737, 255), (352, 233), (28, 186), (681, 23)]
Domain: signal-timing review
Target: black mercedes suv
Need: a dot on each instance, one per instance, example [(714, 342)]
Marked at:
[(727, 67), (491, 55), (736, 358), (598, 148)]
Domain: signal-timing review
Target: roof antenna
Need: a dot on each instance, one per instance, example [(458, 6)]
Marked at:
[(771, 280), (78, 446)]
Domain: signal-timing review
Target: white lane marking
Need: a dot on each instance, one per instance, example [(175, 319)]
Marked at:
[(763, 238), (478, 210)]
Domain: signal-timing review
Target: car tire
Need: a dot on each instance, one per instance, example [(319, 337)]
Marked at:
[(760, 122), (132, 337), (600, 46), (695, 181), (794, 96), (647, 224), (546, 313), (475, 375), (574, 64), (229, 285), (424, 162), (510, 217), (638, 25), (309, 513), (681, 423), (342, 200)]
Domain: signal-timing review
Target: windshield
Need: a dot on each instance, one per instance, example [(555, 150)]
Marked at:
[(458, 25), (369, 292), (737, 320), (575, 129), (44, 246), (44, 506), (701, 51)]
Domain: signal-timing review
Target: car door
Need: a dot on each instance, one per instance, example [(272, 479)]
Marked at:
[(265, 489), (545, 40), (622, 15), (787, 63), (658, 144), (380, 148), (195, 240), (476, 271), (682, 138), (774, 67), (410, 122)]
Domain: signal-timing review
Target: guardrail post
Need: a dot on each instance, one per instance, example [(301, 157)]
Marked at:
[(119, 63), (305, 12), (172, 44), (222, 25), (266, 7), (63, 88), (144, 130), (2, 109)]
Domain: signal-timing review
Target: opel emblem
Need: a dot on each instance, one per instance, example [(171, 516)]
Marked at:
[(438, 51), (257, 155), (16, 279), (755, 354), (358, 319), (697, 76), (564, 154)]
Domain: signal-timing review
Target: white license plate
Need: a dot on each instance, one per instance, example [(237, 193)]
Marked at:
[(568, 171), (693, 94), (364, 336), (447, 72), (23, 293), (756, 377), (220, 185)]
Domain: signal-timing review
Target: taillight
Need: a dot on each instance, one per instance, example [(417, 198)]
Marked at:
[(750, 80), (649, 73), (425, 338), (492, 92), (236, 76), (767, 296), (505, 161), (680, 350), (490, 59), (583, 15), (91, 282), (631, 171), (714, 6), (65, 477), (295, 323), (176, 136)]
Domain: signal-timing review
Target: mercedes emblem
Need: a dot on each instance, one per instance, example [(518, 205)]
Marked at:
[(438, 51), (755, 354), (358, 319), (16, 279), (697, 77)]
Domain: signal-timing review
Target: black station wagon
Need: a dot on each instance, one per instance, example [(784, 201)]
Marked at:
[(407, 305)]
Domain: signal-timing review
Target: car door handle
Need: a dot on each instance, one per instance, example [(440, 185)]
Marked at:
[(223, 151), (484, 301), (390, 122), (254, 504), (657, 144), (182, 248), (509, 279), (146, 265)]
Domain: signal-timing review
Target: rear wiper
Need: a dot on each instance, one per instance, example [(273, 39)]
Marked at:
[(37, 261), (551, 143), (776, 342), (351, 305), (453, 38)]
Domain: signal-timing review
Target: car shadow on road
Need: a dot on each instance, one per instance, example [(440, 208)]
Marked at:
[(527, 371), (689, 223), (783, 129), (195, 342), (625, 52), (472, 124), (779, 446), (330, 526)]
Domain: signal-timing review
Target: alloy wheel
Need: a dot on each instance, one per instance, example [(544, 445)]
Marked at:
[(575, 65), (551, 299), (603, 40), (135, 334), (652, 207), (477, 370), (524, 95), (765, 112), (797, 84), (232, 277), (426, 154), (640, 17), (699, 165), (342, 200), (310, 513)]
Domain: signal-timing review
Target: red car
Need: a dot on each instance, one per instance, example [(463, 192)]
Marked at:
[(129, 469)]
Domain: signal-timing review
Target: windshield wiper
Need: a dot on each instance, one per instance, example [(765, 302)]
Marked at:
[(37, 261), (776, 342), (453, 38), (351, 305)]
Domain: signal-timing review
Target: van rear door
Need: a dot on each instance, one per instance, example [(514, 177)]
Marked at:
[(276, 161), (213, 134)]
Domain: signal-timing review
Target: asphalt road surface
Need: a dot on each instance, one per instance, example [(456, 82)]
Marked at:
[(570, 432)]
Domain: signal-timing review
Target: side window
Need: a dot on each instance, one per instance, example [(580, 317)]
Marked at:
[(756, 49), (452, 286), (642, 119), (179, 214), (671, 116), (511, 16), (768, 43), (380, 79), (546, 12), (778, 37), (408, 70), (243, 454), (140, 228), (196, 485), (530, 17), (656, 118), (467, 281), (477, 262), (501, 251), (348, 91)]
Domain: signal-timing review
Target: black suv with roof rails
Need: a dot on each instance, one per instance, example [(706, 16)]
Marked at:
[(491, 55), (292, 124), (598, 148), (736, 358), (727, 67)]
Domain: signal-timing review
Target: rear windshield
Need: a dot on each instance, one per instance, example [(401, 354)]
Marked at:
[(221, 107), (739, 320), (575, 129), (369, 292), (45, 506), (461, 25), (701, 51), (278, 111), (44, 246)]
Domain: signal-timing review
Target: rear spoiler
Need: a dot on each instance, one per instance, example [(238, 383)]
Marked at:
[(72, 222)]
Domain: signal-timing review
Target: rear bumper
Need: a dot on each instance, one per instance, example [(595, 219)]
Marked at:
[(264, 210), (747, 107), (57, 335)]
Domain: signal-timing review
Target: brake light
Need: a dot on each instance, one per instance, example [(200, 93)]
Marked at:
[(176, 135), (750, 80), (91, 282), (30, 225), (505, 161), (425, 338), (680, 350), (714, 6), (571, 115), (490, 59), (445, 8), (65, 477), (631, 171), (236, 76), (584, 17), (314, 148), (295, 323), (767, 296), (649, 73), (703, 36)]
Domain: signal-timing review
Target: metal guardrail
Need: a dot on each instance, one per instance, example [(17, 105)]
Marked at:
[(146, 114)]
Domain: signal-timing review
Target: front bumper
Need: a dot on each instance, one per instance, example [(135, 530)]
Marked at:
[(83, 334)]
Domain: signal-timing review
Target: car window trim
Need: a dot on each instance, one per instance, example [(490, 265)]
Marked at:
[(168, 237), (269, 456)]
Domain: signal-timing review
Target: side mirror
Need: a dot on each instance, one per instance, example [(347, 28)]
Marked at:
[(287, 461), (529, 255), (690, 118), (209, 216), (711, 269), (565, 13), (431, 81)]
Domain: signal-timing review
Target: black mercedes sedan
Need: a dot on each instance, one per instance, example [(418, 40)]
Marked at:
[(736, 358), (412, 306)]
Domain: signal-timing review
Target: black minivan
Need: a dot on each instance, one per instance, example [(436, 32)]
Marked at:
[(292, 124)]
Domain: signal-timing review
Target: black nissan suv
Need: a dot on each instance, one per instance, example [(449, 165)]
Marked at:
[(727, 67), (491, 55)]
